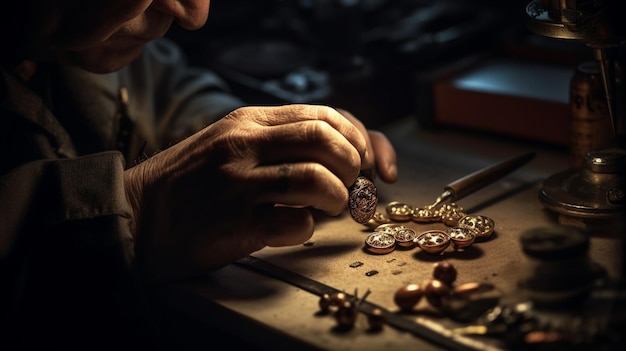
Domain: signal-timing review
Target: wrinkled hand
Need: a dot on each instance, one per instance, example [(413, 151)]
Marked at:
[(246, 182)]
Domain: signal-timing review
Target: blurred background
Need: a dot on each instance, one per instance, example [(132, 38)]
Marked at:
[(388, 59)]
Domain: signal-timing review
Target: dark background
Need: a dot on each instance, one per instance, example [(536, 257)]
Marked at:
[(367, 56)]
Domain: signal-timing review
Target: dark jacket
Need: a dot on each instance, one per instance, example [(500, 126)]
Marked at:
[(66, 249)]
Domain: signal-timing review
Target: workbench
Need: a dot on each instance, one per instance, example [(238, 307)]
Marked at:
[(269, 312)]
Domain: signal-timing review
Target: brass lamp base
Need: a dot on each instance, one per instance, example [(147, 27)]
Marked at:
[(593, 197)]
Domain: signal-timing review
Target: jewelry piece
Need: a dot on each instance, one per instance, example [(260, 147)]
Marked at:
[(481, 225), (362, 200), (380, 243), (399, 211), (405, 237), (461, 237), (449, 207), (425, 215), (451, 213), (433, 241), (451, 219)]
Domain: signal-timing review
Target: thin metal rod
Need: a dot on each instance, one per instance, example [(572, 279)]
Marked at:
[(607, 70)]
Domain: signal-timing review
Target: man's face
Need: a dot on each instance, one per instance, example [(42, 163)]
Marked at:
[(104, 35)]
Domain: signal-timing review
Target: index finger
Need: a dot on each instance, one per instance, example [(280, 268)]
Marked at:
[(280, 115)]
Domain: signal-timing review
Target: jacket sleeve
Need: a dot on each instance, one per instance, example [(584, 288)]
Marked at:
[(66, 253), (182, 99)]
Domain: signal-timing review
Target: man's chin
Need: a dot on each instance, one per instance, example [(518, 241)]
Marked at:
[(104, 60)]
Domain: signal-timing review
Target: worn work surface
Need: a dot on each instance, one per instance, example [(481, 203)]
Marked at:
[(277, 315)]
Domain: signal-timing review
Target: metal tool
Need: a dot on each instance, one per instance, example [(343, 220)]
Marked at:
[(481, 178)]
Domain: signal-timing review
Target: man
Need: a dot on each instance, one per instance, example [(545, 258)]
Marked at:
[(121, 168)]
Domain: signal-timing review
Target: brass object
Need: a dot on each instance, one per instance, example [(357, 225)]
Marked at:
[(399, 211), (580, 195), (461, 238), (482, 226), (451, 213), (451, 219), (445, 272), (590, 122), (595, 23), (380, 243), (433, 241), (405, 237), (434, 291), (408, 296), (425, 215), (362, 199), (447, 208), (595, 195)]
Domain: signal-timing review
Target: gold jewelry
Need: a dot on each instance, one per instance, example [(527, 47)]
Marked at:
[(380, 243), (405, 237), (425, 215), (451, 213), (399, 211), (461, 237), (481, 225), (433, 241)]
